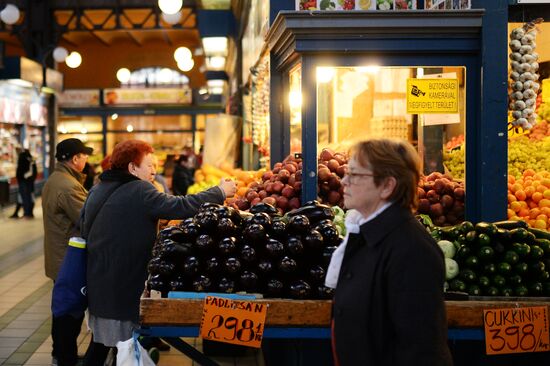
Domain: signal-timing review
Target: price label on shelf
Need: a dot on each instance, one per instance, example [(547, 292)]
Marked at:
[(516, 330), (233, 321)]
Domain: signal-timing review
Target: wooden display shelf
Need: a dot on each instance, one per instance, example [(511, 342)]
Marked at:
[(310, 313)]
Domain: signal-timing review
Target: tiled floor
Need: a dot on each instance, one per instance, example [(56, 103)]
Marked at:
[(25, 294)]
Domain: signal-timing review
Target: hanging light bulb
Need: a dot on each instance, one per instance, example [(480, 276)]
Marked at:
[(170, 6), (123, 75), (10, 14), (182, 53), (129, 128), (73, 60), (186, 65), (171, 18), (60, 54)]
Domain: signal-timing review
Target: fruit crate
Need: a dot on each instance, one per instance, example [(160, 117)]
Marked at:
[(317, 313)]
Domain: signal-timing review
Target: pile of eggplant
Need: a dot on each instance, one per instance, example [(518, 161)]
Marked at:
[(523, 75), (222, 249)]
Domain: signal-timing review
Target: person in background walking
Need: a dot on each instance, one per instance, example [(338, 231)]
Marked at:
[(26, 175), (90, 173), (62, 199), (388, 306), (183, 175)]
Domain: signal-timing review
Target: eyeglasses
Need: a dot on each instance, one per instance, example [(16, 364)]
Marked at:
[(354, 178)]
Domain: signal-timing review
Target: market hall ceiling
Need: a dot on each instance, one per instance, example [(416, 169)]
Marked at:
[(113, 34)]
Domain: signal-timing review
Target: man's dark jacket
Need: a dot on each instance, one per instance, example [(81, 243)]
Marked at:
[(388, 307), (121, 239)]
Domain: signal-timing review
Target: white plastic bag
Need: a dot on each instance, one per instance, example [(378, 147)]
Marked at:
[(131, 353)]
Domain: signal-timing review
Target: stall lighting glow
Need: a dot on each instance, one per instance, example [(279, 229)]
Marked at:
[(182, 53), (217, 90), (73, 60), (21, 82), (373, 69), (295, 99), (123, 75), (165, 75), (170, 6), (215, 63), (215, 46), (114, 116), (60, 54), (325, 74), (84, 130), (215, 83), (203, 91), (186, 65), (419, 72), (129, 128), (62, 129), (10, 14)]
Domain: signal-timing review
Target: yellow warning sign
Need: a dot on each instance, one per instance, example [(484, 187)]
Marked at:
[(432, 96), (546, 90)]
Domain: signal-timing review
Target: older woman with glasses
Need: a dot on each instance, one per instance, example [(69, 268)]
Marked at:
[(388, 307)]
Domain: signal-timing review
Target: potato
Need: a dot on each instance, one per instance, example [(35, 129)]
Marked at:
[(341, 171), (284, 175), (288, 191), (267, 175), (290, 167), (269, 187), (432, 196), (297, 187), (278, 187), (333, 165), (459, 193), (340, 158), (251, 195), (298, 175), (292, 179), (324, 174), (423, 206), (333, 197), (436, 210), (242, 204), (262, 194), (326, 154), (421, 193), (270, 200), (282, 202), (294, 203), (447, 202), (255, 201)]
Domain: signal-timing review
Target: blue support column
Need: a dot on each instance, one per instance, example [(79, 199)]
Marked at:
[(104, 133), (279, 141), (309, 130), (492, 143)]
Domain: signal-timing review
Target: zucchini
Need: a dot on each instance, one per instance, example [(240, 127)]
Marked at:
[(511, 224), (540, 234)]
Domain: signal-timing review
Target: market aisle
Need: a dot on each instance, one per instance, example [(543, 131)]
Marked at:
[(25, 294)]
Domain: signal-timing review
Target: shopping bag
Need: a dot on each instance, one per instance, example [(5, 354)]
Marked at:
[(132, 353), (69, 290)]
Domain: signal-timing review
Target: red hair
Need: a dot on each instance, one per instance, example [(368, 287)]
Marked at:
[(131, 151), (106, 163)]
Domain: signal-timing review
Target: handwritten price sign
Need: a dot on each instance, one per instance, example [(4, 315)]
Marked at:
[(516, 330), (233, 321)]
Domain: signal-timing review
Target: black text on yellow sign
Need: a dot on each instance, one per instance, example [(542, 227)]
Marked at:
[(432, 96), (233, 321), (516, 330)]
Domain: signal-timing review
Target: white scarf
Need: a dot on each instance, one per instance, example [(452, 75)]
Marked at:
[(354, 220)]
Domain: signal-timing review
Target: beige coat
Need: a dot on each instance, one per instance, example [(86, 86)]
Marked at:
[(62, 199)]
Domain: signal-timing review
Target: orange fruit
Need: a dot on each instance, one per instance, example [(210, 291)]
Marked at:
[(531, 222), (544, 202), (545, 182), (521, 195), (511, 179), (545, 211), (542, 217), (537, 176), (515, 218), (528, 172), (546, 193), (536, 197), (524, 212), (523, 204), (512, 198), (534, 212), (541, 188), (510, 213), (515, 206), (532, 204), (540, 224), (516, 187)]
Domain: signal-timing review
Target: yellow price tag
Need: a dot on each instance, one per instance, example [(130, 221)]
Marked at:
[(233, 321)]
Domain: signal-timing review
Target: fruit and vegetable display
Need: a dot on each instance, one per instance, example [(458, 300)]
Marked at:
[(222, 249), (282, 186), (524, 154), (209, 176), (495, 259), (529, 198), (442, 198), (523, 75)]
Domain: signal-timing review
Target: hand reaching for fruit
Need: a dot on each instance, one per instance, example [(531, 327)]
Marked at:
[(228, 186)]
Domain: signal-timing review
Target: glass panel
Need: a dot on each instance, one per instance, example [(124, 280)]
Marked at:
[(295, 104), (79, 124), (356, 103)]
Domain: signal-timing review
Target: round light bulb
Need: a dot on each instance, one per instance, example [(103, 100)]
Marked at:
[(73, 60), (114, 116), (165, 75), (10, 14), (182, 53), (186, 65), (129, 128), (171, 18), (123, 75), (170, 6), (60, 54)]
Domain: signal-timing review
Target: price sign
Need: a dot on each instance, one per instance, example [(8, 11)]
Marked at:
[(233, 321), (432, 96), (516, 330)]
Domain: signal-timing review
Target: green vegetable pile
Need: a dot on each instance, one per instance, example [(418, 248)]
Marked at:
[(496, 259)]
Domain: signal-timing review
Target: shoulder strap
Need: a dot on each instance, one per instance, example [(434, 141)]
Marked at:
[(93, 216)]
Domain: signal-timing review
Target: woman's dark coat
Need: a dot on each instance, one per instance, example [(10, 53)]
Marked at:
[(388, 307)]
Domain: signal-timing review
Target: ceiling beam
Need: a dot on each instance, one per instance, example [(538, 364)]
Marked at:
[(96, 36), (133, 37)]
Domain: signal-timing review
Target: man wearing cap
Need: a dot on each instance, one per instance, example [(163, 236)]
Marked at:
[(63, 197)]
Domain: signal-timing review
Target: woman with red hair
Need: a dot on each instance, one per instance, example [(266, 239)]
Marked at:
[(119, 222)]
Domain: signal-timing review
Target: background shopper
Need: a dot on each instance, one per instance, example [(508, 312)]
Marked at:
[(62, 198), (26, 175), (183, 175), (388, 307), (120, 240)]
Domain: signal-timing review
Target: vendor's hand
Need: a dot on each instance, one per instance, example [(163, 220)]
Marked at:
[(228, 186)]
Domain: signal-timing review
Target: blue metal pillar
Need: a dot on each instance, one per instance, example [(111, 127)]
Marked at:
[(309, 130)]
